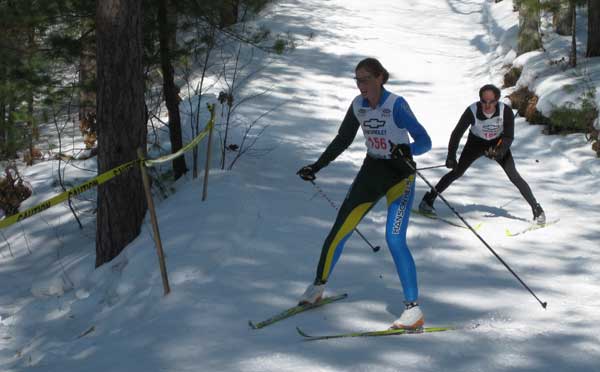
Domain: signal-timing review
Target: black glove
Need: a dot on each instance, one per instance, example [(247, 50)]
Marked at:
[(451, 162), (490, 153), (400, 150), (500, 152), (307, 173)]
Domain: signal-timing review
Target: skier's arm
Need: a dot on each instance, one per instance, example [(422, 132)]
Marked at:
[(344, 138), (509, 131), (404, 116), (464, 122)]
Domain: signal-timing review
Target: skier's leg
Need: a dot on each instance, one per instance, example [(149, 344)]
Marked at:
[(508, 164), (471, 152), (360, 199), (400, 198)]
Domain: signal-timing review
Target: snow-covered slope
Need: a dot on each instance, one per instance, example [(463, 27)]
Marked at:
[(251, 249)]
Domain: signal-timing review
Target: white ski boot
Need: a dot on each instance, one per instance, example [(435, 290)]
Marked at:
[(538, 215), (411, 318), (312, 295), (426, 207)]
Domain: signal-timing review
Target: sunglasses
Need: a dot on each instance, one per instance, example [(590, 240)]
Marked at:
[(363, 80), (483, 102)]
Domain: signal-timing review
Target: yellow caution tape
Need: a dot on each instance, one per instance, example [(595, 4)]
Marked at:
[(189, 146), (98, 180), (67, 194)]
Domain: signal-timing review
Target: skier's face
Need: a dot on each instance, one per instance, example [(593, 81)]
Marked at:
[(369, 85), (488, 102)]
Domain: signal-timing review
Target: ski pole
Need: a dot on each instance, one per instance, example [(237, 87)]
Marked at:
[(322, 193), (432, 167), (544, 304)]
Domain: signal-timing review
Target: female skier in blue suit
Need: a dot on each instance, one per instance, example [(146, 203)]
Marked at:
[(388, 169)]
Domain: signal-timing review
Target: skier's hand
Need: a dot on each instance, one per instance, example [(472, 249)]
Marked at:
[(491, 152), (307, 173), (451, 163), (400, 150), (500, 152)]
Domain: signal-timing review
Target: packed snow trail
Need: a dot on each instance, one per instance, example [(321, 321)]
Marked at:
[(250, 250)]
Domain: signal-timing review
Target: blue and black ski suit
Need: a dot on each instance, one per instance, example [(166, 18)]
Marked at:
[(390, 122)]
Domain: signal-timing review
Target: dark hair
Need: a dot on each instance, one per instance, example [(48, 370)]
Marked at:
[(374, 67), (491, 87)]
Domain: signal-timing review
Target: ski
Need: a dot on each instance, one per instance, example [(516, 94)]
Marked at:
[(532, 227), (449, 222), (295, 310), (387, 332)]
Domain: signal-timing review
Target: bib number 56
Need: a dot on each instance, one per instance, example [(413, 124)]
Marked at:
[(377, 143)]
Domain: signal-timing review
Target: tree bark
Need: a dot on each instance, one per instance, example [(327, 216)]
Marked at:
[(593, 42), (573, 54), (529, 26), (170, 90), (121, 119), (31, 125), (87, 70), (562, 20), (229, 12)]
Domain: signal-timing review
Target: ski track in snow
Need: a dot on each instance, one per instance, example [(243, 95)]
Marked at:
[(250, 250)]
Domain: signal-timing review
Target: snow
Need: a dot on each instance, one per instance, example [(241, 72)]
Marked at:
[(251, 249)]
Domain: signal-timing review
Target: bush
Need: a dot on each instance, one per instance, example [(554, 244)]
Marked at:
[(569, 119), (13, 190), (511, 77), (525, 102), (596, 147), (519, 100)]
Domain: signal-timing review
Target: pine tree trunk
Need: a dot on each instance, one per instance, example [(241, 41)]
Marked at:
[(121, 119), (2, 126), (30, 119), (166, 33), (229, 12), (573, 54), (87, 70), (11, 146), (593, 42), (529, 25), (562, 20)]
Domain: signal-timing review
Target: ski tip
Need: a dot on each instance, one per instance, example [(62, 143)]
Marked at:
[(474, 325), (301, 332), (252, 325)]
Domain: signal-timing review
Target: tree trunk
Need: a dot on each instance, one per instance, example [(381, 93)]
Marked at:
[(10, 136), (121, 119), (229, 12), (529, 26), (171, 91), (593, 42), (562, 19), (2, 126), (31, 125), (573, 54), (87, 70)]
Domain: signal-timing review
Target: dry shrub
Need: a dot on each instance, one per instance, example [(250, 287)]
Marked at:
[(87, 126), (512, 76), (30, 155), (525, 102), (13, 190), (532, 115), (519, 100)]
